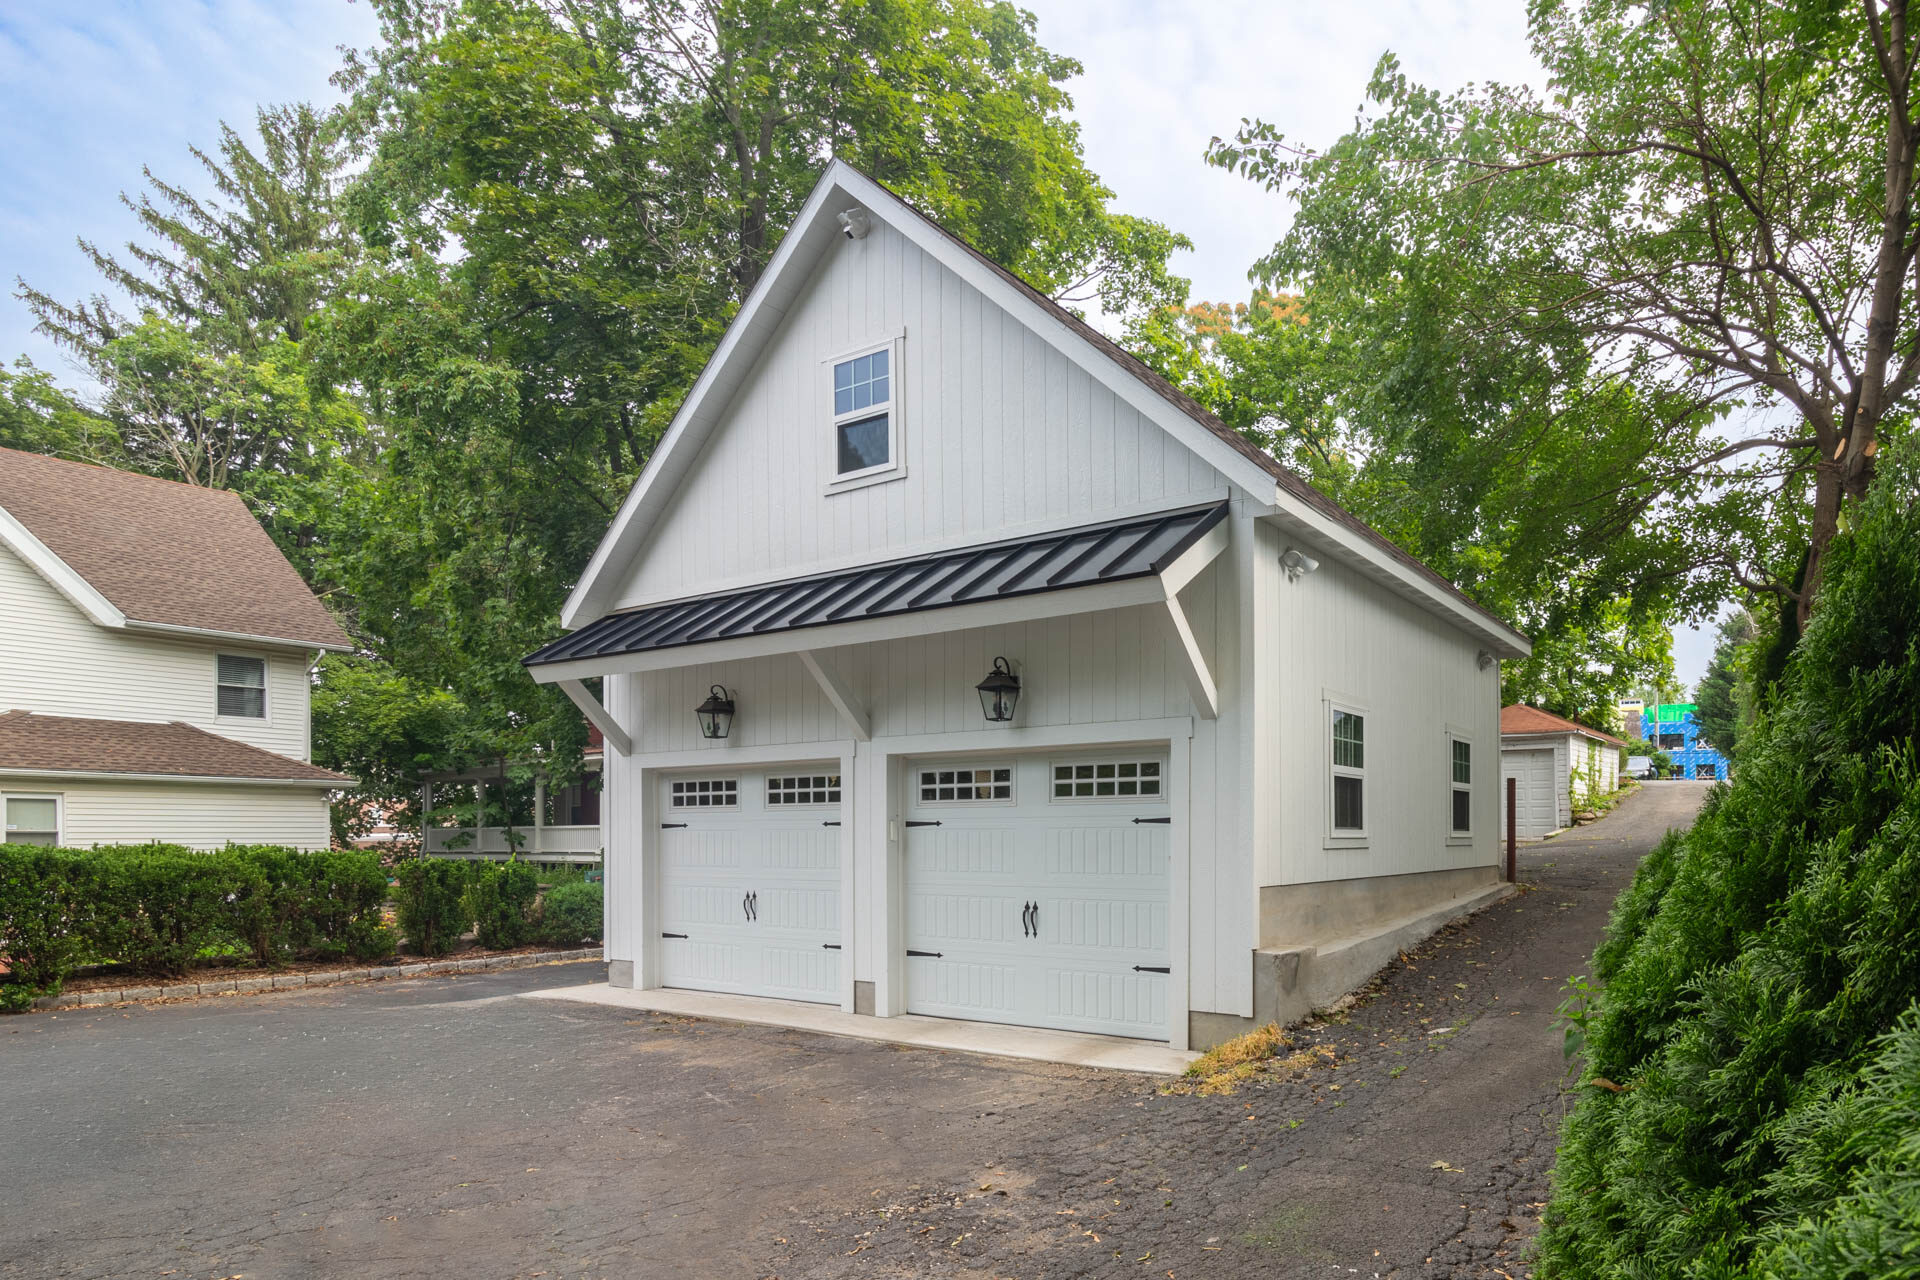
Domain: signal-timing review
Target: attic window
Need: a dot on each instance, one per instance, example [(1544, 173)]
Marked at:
[(866, 414), (242, 687)]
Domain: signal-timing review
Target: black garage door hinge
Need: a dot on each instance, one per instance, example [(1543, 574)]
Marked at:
[(673, 935), (931, 954), (668, 826), (831, 946), (1138, 821), (923, 824), (830, 824), (1151, 968)]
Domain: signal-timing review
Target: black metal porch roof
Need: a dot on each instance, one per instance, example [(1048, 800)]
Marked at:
[(1111, 552)]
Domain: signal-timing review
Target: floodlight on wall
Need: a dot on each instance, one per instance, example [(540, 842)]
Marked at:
[(999, 692), (1297, 562), (856, 223), (1484, 658), (716, 713)]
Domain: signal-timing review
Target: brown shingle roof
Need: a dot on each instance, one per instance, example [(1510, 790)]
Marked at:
[(68, 744), (164, 552), (1187, 405), (1522, 719)]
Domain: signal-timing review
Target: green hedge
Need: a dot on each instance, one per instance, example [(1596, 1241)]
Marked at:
[(157, 908), (1759, 1013), (571, 914)]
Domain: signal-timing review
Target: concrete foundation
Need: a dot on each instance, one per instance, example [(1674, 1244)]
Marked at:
[(863, 998), (620, 973), (1294, 915)]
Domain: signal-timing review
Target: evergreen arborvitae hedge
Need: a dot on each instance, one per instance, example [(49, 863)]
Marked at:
[(1761, 976)]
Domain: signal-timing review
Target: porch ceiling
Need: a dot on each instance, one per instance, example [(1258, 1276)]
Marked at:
[(1095, 555)]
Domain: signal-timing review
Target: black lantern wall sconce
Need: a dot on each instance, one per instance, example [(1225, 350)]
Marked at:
[(999, 692), (716, 713)]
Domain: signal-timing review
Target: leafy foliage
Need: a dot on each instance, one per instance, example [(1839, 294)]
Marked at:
[(431, 903), (500, 898), (1755, 964), (572, 912)]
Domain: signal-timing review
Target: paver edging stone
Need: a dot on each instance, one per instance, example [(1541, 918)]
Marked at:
[(286, 981)]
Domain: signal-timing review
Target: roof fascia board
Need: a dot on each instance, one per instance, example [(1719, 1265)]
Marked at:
[(986, 613), (1376, 563), (234, 637), (60, 575), (103, 775), (653, 490)]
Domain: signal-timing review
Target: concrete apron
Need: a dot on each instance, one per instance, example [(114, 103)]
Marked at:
[(1072, 1048)]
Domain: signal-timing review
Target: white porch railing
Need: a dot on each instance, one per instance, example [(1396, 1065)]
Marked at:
[(546, 844)]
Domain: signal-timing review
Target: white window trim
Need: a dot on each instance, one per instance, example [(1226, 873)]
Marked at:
[(674, 801), (1454, 735), (59, 812), (895, 468), (1346, 837), (266, 688), (1013, 784), (1069, 761), (766, 790)]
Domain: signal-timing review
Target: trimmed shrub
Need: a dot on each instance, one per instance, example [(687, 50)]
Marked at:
[(155, 908), (40, 929), (1760, 975), (430, 899), (326, 904), (500, 898), (571, 913)]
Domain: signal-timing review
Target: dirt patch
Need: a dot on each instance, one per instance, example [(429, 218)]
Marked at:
[(116, 977)]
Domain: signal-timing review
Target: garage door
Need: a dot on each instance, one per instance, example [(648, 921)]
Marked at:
[(1537, 800), (1037, 891), (750, 882)]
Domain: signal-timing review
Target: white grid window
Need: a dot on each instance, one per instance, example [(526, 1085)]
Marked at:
[(941, 786), (1461, 793), (706, 793), (31, 820), (241, 686), (863, 414), (1349, 772), (1108, 780), (803, 788)]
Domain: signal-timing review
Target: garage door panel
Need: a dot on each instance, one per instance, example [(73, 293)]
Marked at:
[(938, 916), (1081, 999), (800, 910), (964, 853), (963, 988), (1115, 854), (1134, 929)]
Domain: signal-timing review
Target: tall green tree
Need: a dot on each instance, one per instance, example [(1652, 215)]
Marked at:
[(1718, 698), (37, 416), (1706, 222)]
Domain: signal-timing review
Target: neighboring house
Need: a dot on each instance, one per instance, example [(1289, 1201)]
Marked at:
[(563, 828), (154, 656), (1555, 763), (1027, 690), (1672, 727)]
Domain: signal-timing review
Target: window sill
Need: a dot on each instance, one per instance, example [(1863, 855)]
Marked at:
[(1361, 841), (862, 482), (1460, 838)]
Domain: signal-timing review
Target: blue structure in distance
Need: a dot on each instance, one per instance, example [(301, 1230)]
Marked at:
[(1671, 726)]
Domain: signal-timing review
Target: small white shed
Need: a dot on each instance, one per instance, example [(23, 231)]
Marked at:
[(1554, 762)]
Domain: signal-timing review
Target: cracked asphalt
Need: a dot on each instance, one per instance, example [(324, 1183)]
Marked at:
[(446, 1126)]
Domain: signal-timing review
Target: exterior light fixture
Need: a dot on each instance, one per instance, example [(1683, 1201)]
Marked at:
[(1484, 658), (716, 713), (999, 692), (1297, 562)]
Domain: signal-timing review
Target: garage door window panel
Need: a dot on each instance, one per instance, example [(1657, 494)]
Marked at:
[(812, 790), (991, 784), (1108, 780), (705, 793)]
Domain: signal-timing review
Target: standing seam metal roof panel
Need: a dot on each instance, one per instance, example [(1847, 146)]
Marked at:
[(1113, 552)]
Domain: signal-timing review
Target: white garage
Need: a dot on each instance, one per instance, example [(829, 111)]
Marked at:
[(1037, 891), (750, 882), (1536, 803)]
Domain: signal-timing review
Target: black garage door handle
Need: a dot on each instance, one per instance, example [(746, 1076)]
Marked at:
[(1151, 968), (935, 955), (673, 935), (1138, 821), (669, 826)]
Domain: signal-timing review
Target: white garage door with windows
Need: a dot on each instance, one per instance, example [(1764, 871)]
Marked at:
[(750, 882), (1037, 891), (1536, 800)]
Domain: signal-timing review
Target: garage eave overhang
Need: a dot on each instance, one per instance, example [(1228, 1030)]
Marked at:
[(1114, 565)]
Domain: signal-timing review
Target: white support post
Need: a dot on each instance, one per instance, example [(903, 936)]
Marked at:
[(539, 809), (840, 694), (597, 715), (1193, 662)]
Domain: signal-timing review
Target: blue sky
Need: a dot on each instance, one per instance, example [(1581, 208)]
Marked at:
[(90, 92)]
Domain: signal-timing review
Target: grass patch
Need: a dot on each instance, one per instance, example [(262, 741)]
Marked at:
[(1268, 1050)]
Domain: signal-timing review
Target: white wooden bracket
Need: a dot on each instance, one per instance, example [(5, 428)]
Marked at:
[(598, 716), (840, 694), (1193, 662)]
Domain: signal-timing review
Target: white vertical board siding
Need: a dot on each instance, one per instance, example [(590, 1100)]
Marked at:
[(56, 661), (199, 815), (1414, 676), (999, 431)]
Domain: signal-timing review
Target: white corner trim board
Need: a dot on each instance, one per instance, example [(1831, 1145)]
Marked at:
[(18, 539)]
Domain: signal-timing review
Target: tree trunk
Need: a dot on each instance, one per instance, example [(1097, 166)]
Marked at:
[(1826, 523)]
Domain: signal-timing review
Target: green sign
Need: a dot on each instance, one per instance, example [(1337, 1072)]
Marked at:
[(1673, 712)]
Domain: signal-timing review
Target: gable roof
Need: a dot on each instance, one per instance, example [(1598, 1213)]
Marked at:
[(1521, 720), (33, 743), (814, 230), (142, 553)]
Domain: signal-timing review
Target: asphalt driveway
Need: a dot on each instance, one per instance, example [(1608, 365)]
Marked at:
[(447, 1127)]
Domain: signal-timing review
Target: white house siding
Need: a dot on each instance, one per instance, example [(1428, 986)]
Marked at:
[(1000, 433), (1340, 633), (200, 815), (1086, 672), (56, 661)]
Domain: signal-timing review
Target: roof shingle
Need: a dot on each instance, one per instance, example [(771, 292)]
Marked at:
[(70, 744), (164, 552), (1521, 719)]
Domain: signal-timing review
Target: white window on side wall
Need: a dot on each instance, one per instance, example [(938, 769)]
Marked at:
[(1460, 789), (31, 819), (1347, 745), (242, 686), (865, 390)]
